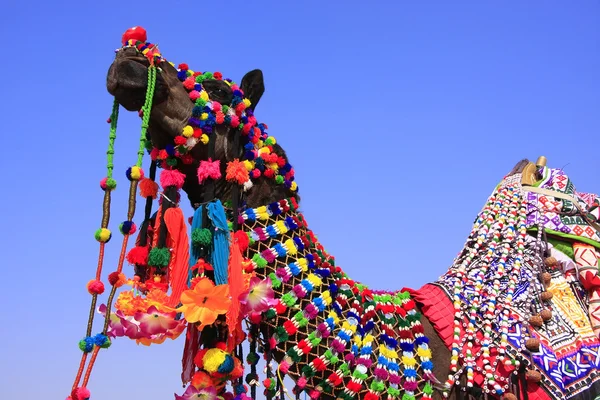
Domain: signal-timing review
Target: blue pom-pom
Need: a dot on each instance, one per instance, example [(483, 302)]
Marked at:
[(102, 341), (127, 227), (170, 149), (333, 289), (182, 75), (422, 339), (86, 344), (227, 365), (198, 87), (369, 326), (196, 111), (249, 155), (427, 365), (407, 346)]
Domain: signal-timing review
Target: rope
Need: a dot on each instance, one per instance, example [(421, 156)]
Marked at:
[(106, 216)]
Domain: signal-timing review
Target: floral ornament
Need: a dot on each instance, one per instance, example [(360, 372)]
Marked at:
[(260, 296), (150, 327), (191, 393), (205, 302)]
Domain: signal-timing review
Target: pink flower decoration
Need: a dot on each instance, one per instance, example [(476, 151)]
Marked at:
[(152, 322), (259, 297), (191, 393), (209, 169)]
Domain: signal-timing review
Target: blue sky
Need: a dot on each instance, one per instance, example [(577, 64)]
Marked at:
[(398, 118)]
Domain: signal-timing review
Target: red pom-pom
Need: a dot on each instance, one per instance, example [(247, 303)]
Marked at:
[(242, 239), (218, 75), (95, 287), (113, 278), (138, 256), (189, 83), (180, 140), (148, 188), (81, 393), (183, 66), (136, 33), (269, 173)]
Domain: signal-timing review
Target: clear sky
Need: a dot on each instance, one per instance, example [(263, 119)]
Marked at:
[(398, 118)]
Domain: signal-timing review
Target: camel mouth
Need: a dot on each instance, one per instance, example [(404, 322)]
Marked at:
[(127, 81)]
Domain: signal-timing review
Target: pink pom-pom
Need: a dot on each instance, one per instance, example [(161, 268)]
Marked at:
[(209, 169), (171, 177), (95, 287), (194, 94), (216, 106), (301, 382), (314, 394), (82, 393), (235, 121), (284, 367)]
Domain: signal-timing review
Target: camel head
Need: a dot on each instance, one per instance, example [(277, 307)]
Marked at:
[(200, 118)]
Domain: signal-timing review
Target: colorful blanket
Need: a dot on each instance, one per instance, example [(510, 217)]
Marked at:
[(567, 359)]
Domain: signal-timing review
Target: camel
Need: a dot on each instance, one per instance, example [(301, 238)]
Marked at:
[(334, 337)]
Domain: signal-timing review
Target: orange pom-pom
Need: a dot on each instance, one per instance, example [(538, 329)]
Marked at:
[(237, 172), (201, 380), (148, 188)]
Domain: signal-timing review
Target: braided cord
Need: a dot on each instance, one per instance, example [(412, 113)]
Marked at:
[(146, 112), (106, 217)]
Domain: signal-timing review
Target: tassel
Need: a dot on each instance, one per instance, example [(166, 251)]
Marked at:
[(178, 267), (238, 284), (220, 255)]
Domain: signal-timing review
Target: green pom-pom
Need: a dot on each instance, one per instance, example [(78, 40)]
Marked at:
[(307, 371), (276, 283), (393, 392), (230, 225), (269, 141), (279, 179), (282, 335), (172, 161), (103, 235), (200, 102), (271, 313), (252, 358), (259, 260), (428, 389), (159, 257), (87, 344), (377, 386), (202, 237), (111, 184)]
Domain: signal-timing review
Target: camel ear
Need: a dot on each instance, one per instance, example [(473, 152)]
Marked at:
[(253, 87)]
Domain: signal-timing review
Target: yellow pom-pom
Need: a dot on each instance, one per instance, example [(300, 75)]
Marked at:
[(273, 166), (272, 140), (213, 359), (249, 165), (264, 150), (188, 131), (136, 173), (103, 235), (204, 116), (204, 138), (247, 102), (293, 186), (204, 95)]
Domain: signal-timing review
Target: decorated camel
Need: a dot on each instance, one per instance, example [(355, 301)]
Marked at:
[(515, 316)]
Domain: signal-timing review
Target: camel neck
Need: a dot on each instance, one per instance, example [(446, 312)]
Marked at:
[(324, 325)]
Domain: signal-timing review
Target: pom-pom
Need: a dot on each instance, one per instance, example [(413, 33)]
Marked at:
[(108, 184), (103, 235), (188, 131), (201, 237), (102, 341), (95, 287), (171, 177), (204, 138), (138, 34), (148, 188), (237, 172), (218, 75), (135, 173), (201, 380), (127, 228), (159, 257), (209, 169), (81, 393), (117, 279), (87, 344), (138, 256), (242, 239)]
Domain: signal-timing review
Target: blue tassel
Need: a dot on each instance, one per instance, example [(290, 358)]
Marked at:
[(220, 255)]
